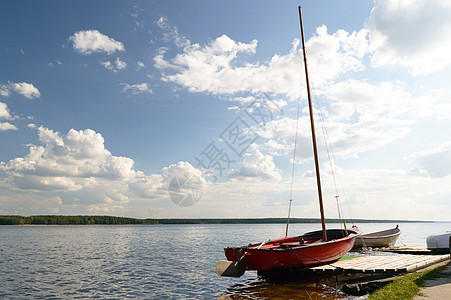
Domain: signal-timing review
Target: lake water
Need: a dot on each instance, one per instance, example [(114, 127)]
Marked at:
[(152, 262)]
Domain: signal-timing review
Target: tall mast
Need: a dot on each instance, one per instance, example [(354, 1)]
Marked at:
[(315, 149)]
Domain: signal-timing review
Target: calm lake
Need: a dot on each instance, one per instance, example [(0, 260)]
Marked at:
[(153, 262)]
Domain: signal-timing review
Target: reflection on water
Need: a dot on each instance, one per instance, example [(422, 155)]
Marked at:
[(154, 262), (285, 288)]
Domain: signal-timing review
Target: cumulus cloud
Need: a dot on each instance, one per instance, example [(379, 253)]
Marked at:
[(120, 64), (4, 111), (151, 186), (356, 117), (181, 168), (79, 154), (108, 65), (140, 65), (216, 68), (434, 162), (4, 90), (90, 41), (416, 36), (4, 126), (77, 169), (4, 114), (281, 133), (256, 165), (162, 64), (171, 32), (116, 66), (331, 55), (28, 90), (137, 89)]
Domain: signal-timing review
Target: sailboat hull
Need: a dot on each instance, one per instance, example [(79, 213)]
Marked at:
[(303, 251)]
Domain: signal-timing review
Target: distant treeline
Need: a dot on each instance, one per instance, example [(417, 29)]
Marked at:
[(71, 220), (272, 221), (109, 220)]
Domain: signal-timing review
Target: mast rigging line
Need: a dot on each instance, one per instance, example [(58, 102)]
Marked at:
[(292, 169), (330, 156), (329, 149), (312, 123)]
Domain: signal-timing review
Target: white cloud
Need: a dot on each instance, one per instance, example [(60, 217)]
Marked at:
[(216, 68), (90, 41), (79, 170), (414, 35), (184, 183), (280, 135), (140, 65), (4, 126), (370, 191), (203, 68), (243, 100), (117, 66), (120, 65), (356, 117), (4, 90), (51, 64), (434, 162), (171, 32), (256, 165), (366, 116), (151, 186), (28, 90), (4, 114), (108, 65), (330, 55), (69, 162), (136, 11), (233, 108), (160, 63), (181, 168), (4, 111), (136, 89)]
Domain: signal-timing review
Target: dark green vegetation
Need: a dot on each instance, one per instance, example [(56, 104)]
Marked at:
[(407, 286), (109, 220), (71, 220)]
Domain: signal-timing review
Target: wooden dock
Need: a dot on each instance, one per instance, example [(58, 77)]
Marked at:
[(418, 250), (389, 264)]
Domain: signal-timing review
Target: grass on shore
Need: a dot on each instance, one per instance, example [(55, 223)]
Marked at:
[(407, 286), (348, 257)]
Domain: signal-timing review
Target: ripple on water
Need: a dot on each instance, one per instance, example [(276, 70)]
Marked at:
[(147, 262)]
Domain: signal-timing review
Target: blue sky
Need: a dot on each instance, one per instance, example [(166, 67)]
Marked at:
[(156, 109)]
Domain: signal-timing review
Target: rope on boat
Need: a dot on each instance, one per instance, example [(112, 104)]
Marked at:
[(363, 243), (329, 150), (339, 211), (292, 170)]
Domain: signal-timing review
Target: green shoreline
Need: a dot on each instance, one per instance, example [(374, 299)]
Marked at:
[(112, 220)]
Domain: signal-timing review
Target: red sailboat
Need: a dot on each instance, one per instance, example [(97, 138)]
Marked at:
[(304, 251)]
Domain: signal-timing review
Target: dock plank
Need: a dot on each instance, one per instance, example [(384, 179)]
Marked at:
[(403, 262), (383, 264)]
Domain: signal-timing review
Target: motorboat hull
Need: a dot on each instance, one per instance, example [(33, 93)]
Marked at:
[(439, 243), (380, 239)]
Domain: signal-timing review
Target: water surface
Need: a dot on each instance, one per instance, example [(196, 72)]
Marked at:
[(152, 261)]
